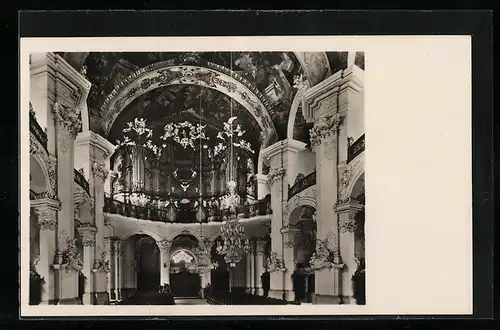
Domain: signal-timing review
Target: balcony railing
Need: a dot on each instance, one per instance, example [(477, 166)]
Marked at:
[(81, 181), (184, 212), (37, 131), (301, 184), (356, 148)]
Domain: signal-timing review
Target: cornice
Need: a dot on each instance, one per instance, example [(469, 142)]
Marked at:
[(351, 77), (95, 140), (288, 145)]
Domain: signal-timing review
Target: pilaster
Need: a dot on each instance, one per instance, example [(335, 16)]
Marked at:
[(88, 241), (260, 246), (46, 210), (165, 246), (118, 268), (347, 236)]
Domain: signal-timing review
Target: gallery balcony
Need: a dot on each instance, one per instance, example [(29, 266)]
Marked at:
[(356, 148), (186, 210)]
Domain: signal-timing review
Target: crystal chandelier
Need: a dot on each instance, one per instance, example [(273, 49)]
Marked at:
[(202, 263), (234, 243)]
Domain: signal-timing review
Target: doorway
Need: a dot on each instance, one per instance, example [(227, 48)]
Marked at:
[(185, 284)]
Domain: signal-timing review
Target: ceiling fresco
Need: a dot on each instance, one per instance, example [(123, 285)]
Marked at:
[(270, 74)]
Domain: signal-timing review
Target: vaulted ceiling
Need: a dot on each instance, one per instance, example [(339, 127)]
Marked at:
[(270, 73)]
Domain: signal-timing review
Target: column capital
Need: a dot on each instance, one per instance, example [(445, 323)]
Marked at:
[(88, 235), (67, 120), (46, 209), (275, 175), (324, 129), (347, 218), (165, 245), (99, 171)]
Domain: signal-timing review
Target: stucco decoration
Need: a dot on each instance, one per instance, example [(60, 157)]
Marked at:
[(211, 75)]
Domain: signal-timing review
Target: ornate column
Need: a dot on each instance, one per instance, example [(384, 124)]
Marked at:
[(164, 246), (46, 210), (289, 260), (347, 239), (282, 158), (260, 246), (67, 125), (108, 248), (118, 269), (326, 105), (248, 274), (251, 268), (99, 176), (94, 152), (88, 242)]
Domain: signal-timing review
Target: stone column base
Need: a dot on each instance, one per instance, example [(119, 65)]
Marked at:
[(276, 294), (248, 290), (349, 300), (101, 298), (289, 295), (88, 298), (118, 294), (320, 299), (69, 301), (112, 294), (259, 291)]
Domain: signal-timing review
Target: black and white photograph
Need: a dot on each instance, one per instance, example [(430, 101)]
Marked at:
[(197, 178)]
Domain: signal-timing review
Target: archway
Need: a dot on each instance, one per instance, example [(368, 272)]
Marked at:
[(220, 276), (147, 262), (303, 219), (357, 196), (182, 282), (209, 75), (37, 186)]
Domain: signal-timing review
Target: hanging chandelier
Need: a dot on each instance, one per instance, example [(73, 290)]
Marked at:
[(202, 252), (234, 243)]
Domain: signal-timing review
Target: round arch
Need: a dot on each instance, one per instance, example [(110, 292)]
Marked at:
[(357, 168), (297, 99), (209, 75), (174, 233), (156, 237), (304, 198), (45, 164)]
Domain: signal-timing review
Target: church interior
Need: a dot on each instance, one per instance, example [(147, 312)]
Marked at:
[(225, 177)]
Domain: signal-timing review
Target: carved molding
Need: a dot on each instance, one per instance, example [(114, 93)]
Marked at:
[(209, 75)]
